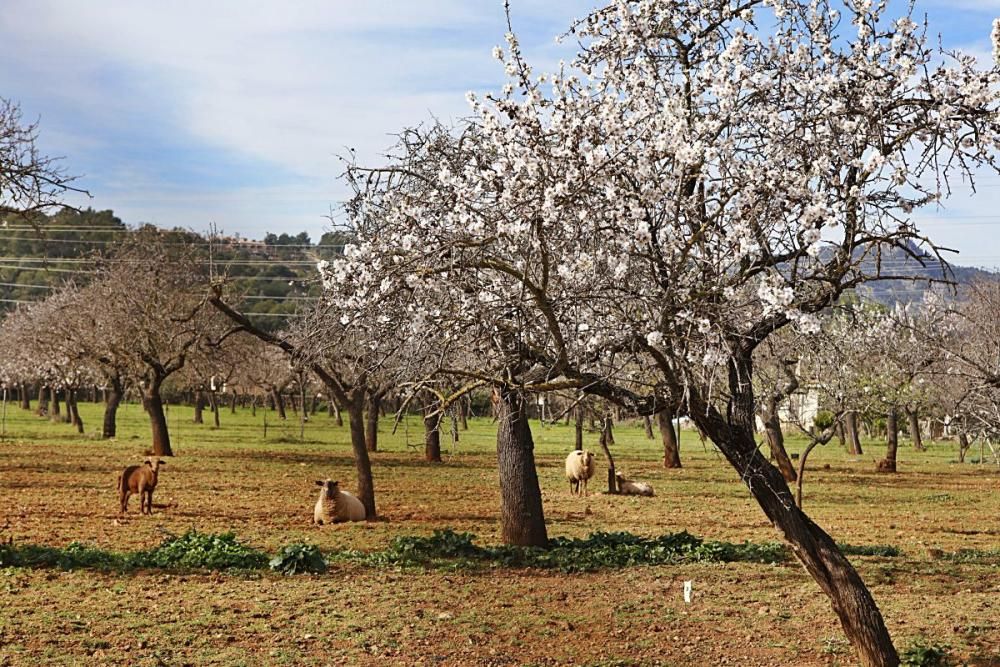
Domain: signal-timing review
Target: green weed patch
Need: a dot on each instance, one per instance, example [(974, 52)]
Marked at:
[(444, 549), (880, 550)]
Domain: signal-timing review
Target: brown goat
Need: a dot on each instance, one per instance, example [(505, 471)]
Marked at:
[(139, 479)]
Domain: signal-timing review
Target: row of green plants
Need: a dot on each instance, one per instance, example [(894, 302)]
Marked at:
[(442, 549)]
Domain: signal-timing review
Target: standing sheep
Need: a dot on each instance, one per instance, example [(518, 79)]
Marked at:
[(630, 488), (579, 468), (334, 505), (142, 480)]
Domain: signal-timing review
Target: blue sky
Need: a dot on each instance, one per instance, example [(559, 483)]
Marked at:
[(233, 112)]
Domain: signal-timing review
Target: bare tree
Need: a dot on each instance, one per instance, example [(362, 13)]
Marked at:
[(30, 183), (154, 315)]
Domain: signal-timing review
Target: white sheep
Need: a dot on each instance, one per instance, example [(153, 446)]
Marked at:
[(630, 488), (335, 505), (579, 468)]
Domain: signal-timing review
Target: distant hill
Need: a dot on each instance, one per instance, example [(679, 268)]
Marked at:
[(277, 275), (927, 268)]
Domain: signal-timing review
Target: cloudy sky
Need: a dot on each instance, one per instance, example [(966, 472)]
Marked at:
[(235, 111)]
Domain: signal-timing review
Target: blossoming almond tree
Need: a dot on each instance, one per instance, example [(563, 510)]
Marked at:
[(701, 175), (966, 381)]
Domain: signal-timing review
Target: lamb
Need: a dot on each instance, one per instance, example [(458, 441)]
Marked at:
[(629, 488), (335, 505), (142, 480), (579, 468)]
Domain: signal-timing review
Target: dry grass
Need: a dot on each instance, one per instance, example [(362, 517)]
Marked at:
[(56, 487)]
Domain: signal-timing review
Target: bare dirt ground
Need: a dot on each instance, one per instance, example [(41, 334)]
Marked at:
[(56, 487)]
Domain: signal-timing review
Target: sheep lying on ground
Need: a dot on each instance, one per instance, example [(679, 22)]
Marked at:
[(142, 480), (579, 468), (335, 505), (629, 488)]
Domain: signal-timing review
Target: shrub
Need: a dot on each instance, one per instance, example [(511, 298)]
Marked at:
[(299, 558), (921, 654), (824, 419), (211, 551), (883, 550), (598, 551)]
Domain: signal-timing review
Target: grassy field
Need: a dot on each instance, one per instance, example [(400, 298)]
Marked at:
[(57, 487)]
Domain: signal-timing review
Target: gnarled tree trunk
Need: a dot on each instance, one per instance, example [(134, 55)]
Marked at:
[(522, 521), (776, 441), (54, 413), (671, 449), (607, 439), (43, 401), (888, 464), (374, 404), (859, 616), (772, 421), (432, 435), (362, 464), (112, 399), (913, 421), (963, 446), (25, 397), (157, 419), (73, 411), (279, 404), (647, 423), (199, 406), (853, 437), (334, 411), (578, 428), (213, 402)]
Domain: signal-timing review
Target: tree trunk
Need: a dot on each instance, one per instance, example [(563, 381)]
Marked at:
[(312, 405), (74, 411), (463, 412), (888, 464), (54, 414), (432, 435), (25, 397), (232, 404), (213, 402), (671, 450), (199, 406), (913, 418), (853, 438), (963, 446), (113, 398), (776, 440), (279, 403), (608, 438), (859, 616), (648, 423), (841, 438), (578, 429), (522, 521), (43, 401), (362, 464), (157, 420), (333, 410), (374, 403)]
